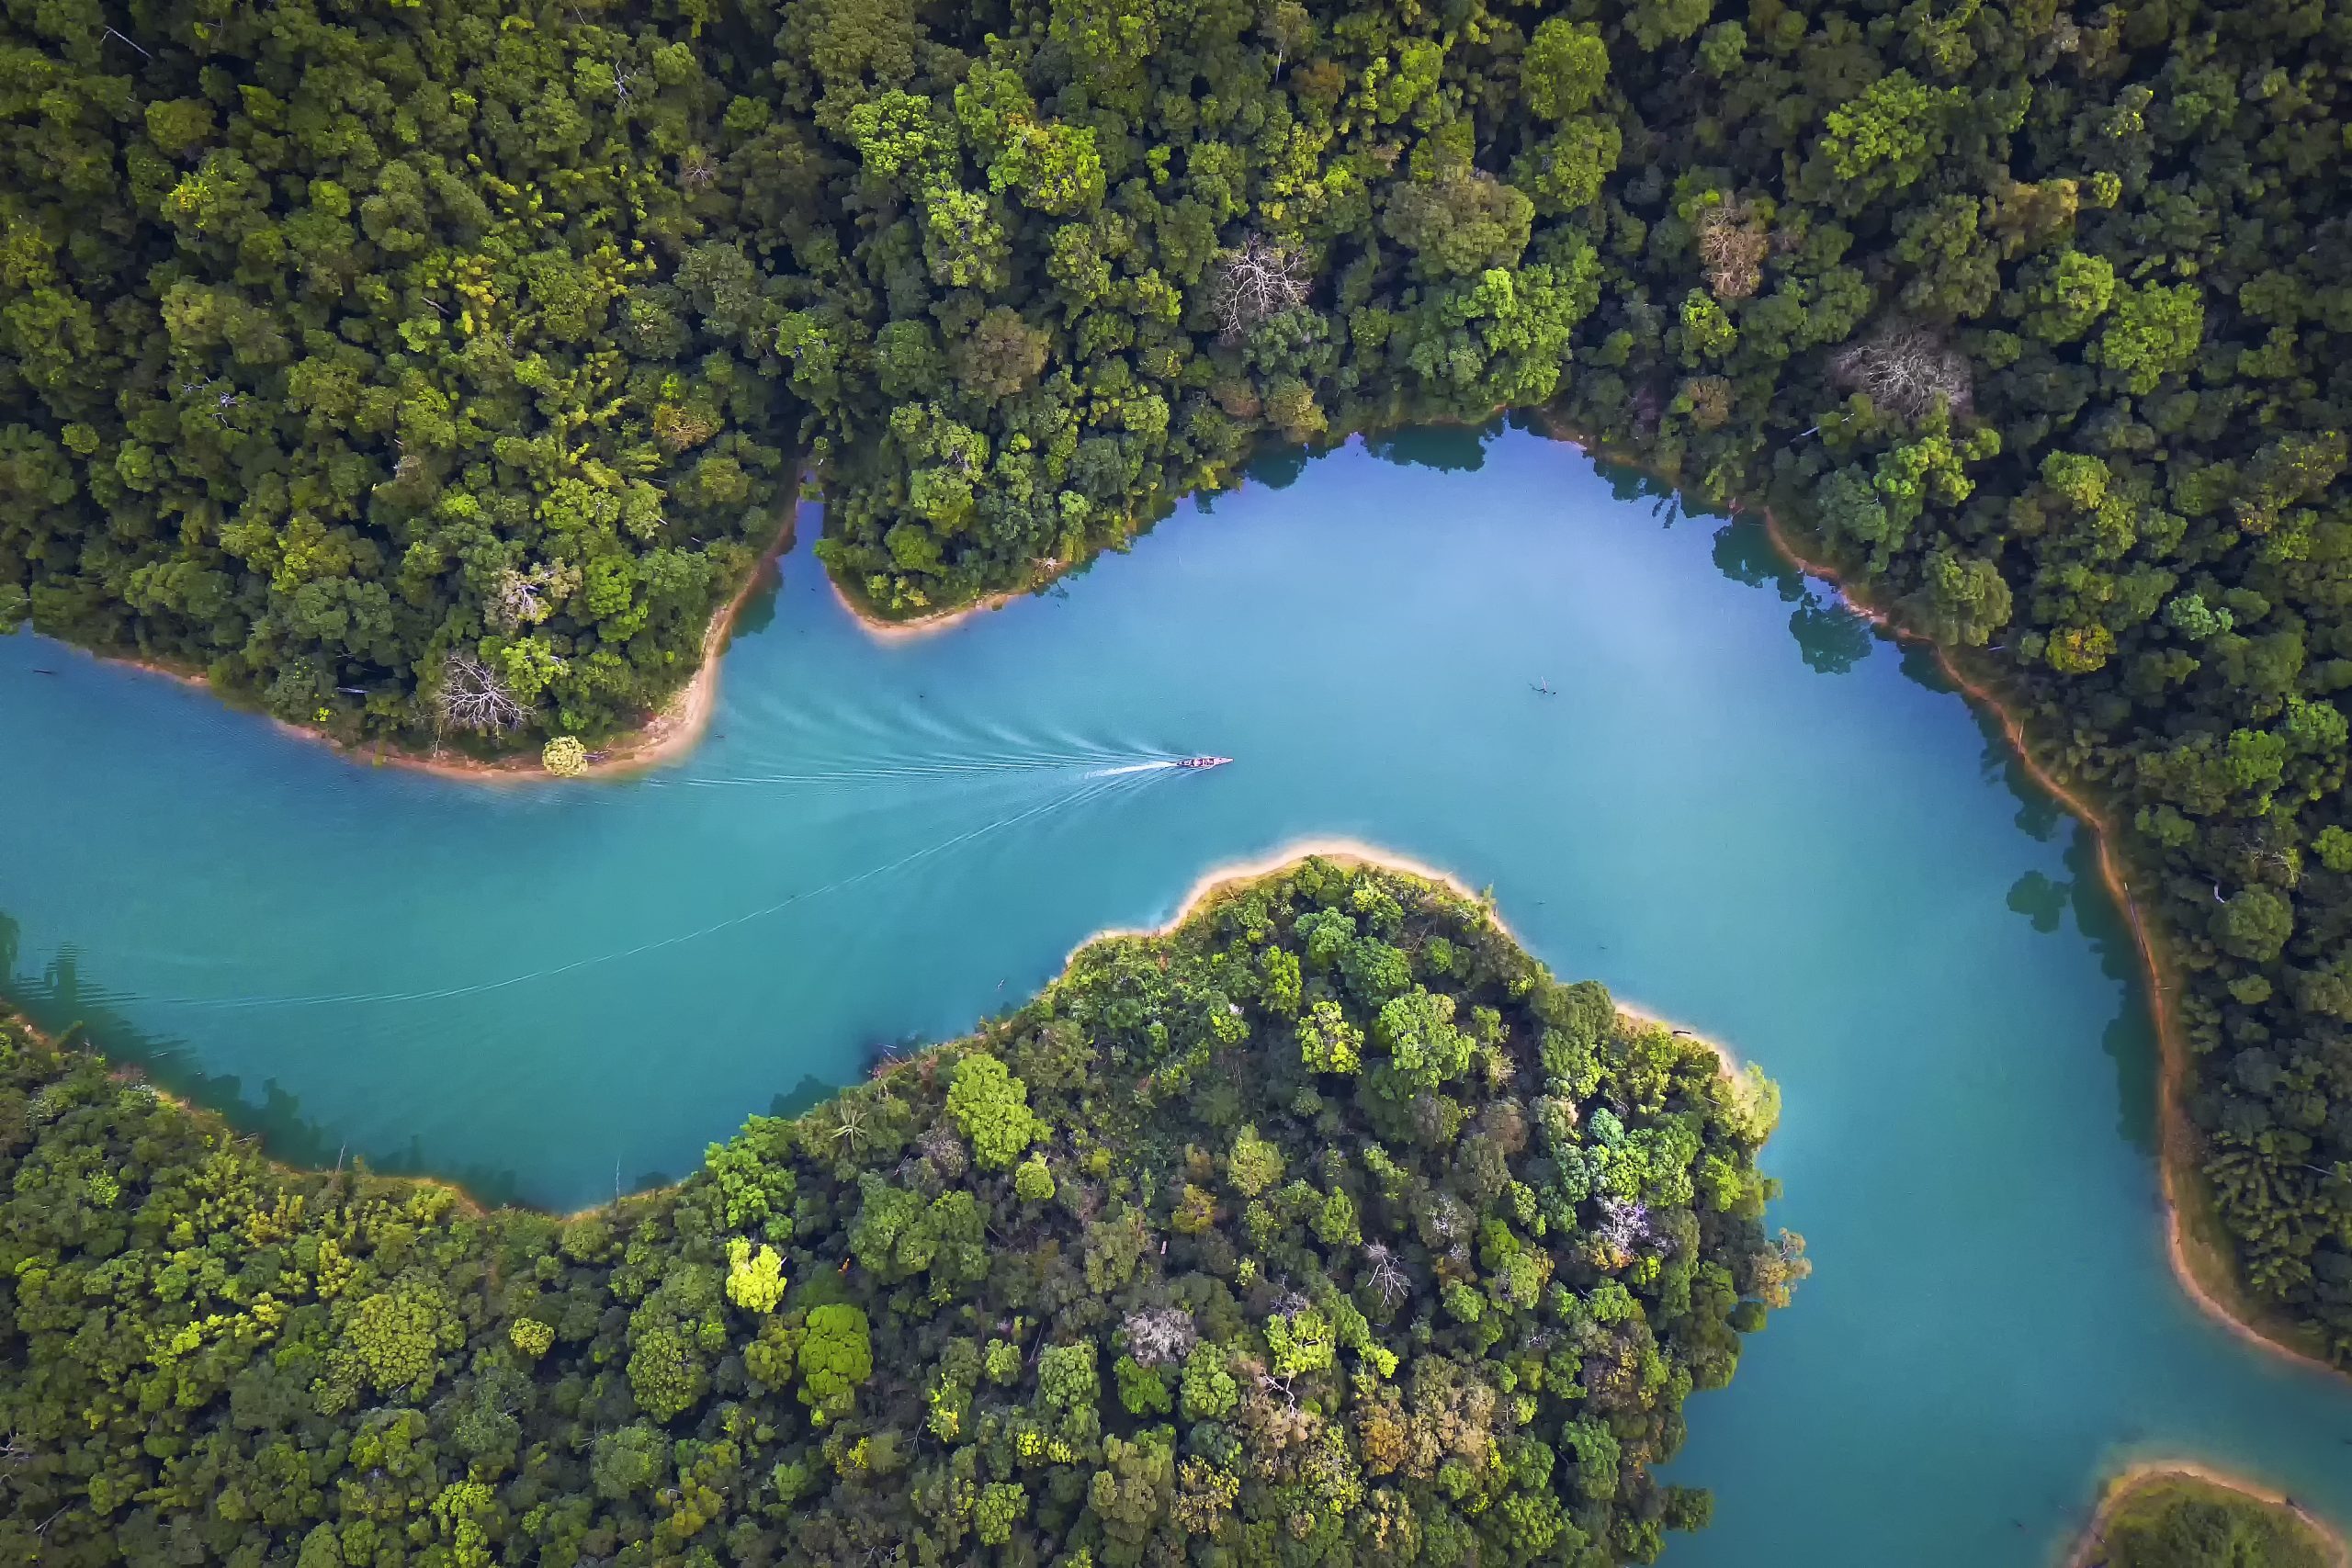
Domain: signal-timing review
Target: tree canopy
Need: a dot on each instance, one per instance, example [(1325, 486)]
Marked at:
[(2173, 1520)]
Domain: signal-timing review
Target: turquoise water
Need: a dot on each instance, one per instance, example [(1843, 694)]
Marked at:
[(1739, 809)]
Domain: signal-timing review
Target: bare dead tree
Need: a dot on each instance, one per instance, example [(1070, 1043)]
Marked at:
[(1445, 1219), (695, 169), (520, 598), (1625, 1226), (1906, 370), (1159, 1335), (516, 601), (1385, 1276), (945, 1150), (1733, 244), (474, 697), (1256, 281)]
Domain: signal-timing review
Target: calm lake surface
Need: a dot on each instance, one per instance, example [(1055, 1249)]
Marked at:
[(1739, 810)]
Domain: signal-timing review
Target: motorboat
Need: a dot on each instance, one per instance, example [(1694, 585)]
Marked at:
[(1203, 762)]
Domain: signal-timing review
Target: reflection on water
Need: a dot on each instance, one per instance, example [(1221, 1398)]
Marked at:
[(548, 992), (60, 1001), (2040, 900), (1830, 638)]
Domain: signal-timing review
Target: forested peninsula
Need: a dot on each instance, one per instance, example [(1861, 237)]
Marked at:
[(1324, 1226), (433, 373), (2182, 1517)]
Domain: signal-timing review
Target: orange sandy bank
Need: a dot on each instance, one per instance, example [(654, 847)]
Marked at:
[(668, 734), (2205, 1273), (1354, 854), (2138, 1477), (920, 626), (1348, 852)]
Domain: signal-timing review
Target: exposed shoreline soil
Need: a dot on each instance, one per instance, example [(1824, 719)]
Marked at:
[(2138, 1477), (1354, 854), (917, 628), (671, 731), (2198, 1252), (2199, 1260)]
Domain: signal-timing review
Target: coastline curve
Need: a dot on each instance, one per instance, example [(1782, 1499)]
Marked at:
[(1354, 854), (2136, 1478), (2204, 1277), (666, 736)]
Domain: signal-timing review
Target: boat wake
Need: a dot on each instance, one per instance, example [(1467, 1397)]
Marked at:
[(1161, 764), (1093, 786)]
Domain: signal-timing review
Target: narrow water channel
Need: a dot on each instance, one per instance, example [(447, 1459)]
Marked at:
[(1734, 804)]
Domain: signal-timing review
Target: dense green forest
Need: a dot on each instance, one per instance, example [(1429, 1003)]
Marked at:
[(425, 371), (2177, 1520), (1326, 1228), (400, 367)]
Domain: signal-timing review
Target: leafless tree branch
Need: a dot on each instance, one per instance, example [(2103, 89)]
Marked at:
[(1385, 1276), (1158, 1336), (474, 697), (1906, 370), (1733, 244), (1256, 281)]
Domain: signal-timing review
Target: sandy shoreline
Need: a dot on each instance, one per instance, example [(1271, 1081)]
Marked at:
[(1353, 854), (673, 730), (922, 626), (2206, 1278), (2138, 1476)]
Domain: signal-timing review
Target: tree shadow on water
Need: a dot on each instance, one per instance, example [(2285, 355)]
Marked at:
[(1831, 638), (1745, 553), (2129, 1039), (1279, 468), (2042, 901), (67, 1005), (1447, 448), (803, 1097), (1627, 482), (758, 612), (2038, 815)]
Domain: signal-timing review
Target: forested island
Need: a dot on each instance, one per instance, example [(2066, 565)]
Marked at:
[(1325, 1226), (2167, 1517)]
